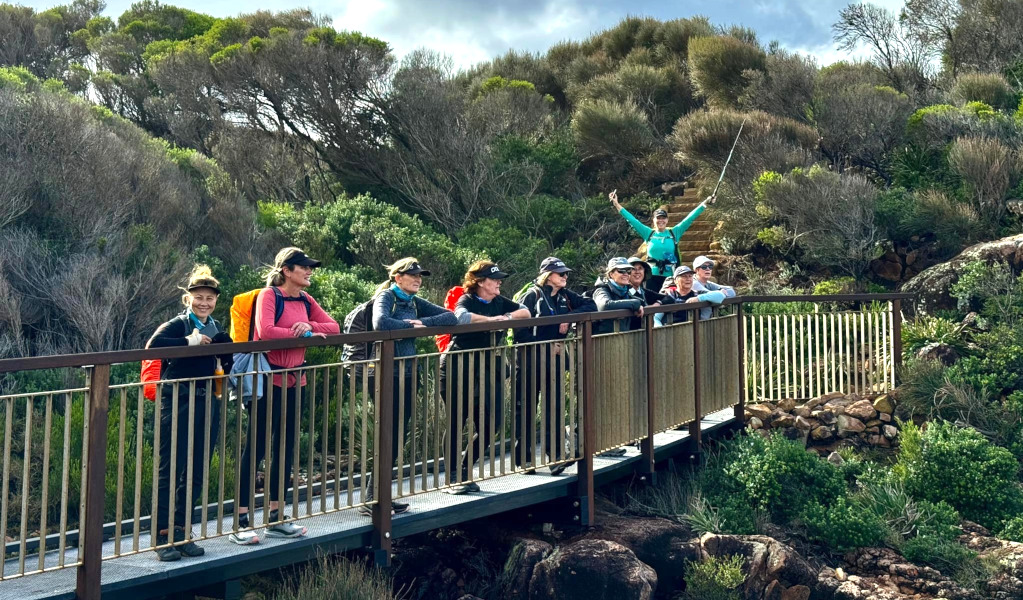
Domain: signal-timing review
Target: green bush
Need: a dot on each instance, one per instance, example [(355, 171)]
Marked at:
[(989, 88), (843, 525), (338, 579), (948, 556), (961, 467), (834, 286), (714, 578), (1012, 530), (779, 476), (926, 330)]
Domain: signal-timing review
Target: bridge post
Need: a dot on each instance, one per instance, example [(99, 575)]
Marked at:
[(384, 456), (740, 408), (585, 473), (897, 337), (89, 575), (647, 465), (694, 427)]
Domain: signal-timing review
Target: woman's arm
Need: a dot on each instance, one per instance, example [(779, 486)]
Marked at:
[(579, 303), (681, 228), (319, 320), (382, 319), (431, 315), (643, 231), (169, 334), (602, 298)]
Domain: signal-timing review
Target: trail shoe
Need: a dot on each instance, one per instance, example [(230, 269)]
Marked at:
[(244, 536), (396, 508), (613, 453), (284, 530), (558, 469), (168, 554), (463, 488), (188, 548)]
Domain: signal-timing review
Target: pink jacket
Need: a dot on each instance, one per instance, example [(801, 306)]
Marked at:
[(294, 312)]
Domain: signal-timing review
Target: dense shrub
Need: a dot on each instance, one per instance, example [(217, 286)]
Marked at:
[(989, 88), (1012, 530), (925, 330), (943, 554), (989, 169), (843, 525), (612, 129), (714, 578), (961, 467), (717, 65)]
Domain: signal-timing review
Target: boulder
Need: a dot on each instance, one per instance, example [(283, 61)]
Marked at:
[(938, 351), (783, 420), (771, 566), (593, 570), (760, 411), (662, 544), (786, 405), (513, 582), (755, 423), (801, 411), (822, 433), (835, 458), (884, 417), (849, 425), (888, 267), (804, 424), (883, 404), (932, 286), (826, 417), (862, 410), (890, 431)]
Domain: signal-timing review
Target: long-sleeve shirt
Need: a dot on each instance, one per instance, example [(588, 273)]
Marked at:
[(540, 303), (710, 286), (294, 312), (390, 312), (608, 297), (173, 333), (661, 245)]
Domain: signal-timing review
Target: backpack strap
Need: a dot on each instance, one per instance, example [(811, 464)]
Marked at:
[(280, 299)]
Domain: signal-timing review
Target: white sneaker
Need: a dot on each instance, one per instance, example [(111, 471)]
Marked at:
[(246, 537)]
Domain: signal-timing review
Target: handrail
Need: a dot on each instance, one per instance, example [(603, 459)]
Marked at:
[(10, 365)]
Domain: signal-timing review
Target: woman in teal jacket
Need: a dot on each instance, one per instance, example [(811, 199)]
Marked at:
[(661, 241)]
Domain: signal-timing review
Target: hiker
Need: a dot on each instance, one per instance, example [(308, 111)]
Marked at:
[(482, 303), (300, 316), (702, 284), (681, 292), (614, 292), (541, 367), (641, 273), (396, 305), (660, 240), (193, 327)]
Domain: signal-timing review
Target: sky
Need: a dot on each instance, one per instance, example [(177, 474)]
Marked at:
[(472, 31)]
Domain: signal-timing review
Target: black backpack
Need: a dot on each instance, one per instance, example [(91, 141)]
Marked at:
[(359, 320)]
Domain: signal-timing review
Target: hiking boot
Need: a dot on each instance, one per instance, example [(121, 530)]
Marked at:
[(396, 508), (613, 453), (188, 548), (463, 488), (284, 530), (245, 536), (558, 469), (168, 554)]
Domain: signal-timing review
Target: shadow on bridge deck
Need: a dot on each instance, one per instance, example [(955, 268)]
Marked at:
[(140, 575)]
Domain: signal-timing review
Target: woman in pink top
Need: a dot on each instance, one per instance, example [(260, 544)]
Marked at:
[(301, 317)]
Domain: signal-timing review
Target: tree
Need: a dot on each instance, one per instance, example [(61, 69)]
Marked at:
[(900, 56), (785, 88), (717, 66)]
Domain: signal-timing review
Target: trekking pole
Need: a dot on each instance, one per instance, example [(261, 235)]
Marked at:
[(729, 159)]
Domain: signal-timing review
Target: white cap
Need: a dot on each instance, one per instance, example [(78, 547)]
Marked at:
[(702, 260)]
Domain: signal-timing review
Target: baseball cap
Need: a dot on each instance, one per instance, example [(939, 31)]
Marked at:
[(554, 265), (490, 271), (702, 260), (660, 212), (415, 269), (300, 258), (682, 270), (618, 262)]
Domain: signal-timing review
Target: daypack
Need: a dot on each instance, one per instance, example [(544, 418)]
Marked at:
[(521, 294), (243, 311), (450, 302), (360, 319)]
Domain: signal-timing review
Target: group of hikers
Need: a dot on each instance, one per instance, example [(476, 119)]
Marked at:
[(284, 310)]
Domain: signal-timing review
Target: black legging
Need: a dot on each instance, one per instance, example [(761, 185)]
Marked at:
[(257, 434), (455, 368), (182, 504), (539, 372)]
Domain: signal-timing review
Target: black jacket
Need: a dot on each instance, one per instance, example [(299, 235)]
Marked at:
[(608, 298), (173, 333), (540, 304)]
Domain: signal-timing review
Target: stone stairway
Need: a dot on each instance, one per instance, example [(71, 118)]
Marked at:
[(698, 238)]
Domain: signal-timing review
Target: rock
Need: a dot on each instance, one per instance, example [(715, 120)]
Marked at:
[(673, 188), (593, 570), (938, 351), (796, 592), (873, 423), (783, 420), (801, 411), (513, 582), (840, 574), (662, 544), (911, 256), (768, 562), (760, 411), (873, 439), (755, 423), (890, 432), (847, 424), (835, 458), (883, 404), (932, 286), (826, 417), (822, 433), (862, 410), (884, 417), (872, 430), (804, 424), (786, 405)]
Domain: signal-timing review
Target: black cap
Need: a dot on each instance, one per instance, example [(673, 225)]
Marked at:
[(660, 212), (490, 271), (300, 258), (554, 265), (415, 269)]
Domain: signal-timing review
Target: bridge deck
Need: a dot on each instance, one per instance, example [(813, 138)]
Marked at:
[(141, 575)]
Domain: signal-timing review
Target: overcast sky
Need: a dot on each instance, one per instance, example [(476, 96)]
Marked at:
[(470, 31)]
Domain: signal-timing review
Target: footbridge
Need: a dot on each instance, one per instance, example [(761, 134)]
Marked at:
[(80, 442)]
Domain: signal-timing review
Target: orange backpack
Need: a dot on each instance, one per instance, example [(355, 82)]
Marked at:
[(444, 339)]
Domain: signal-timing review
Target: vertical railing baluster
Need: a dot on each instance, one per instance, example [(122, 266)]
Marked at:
[(585, 476), (44, 505)]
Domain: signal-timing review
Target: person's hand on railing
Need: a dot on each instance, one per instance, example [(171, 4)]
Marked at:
[(693, 300), (639, 312), (415, 323), (613, 197), (300, 329)]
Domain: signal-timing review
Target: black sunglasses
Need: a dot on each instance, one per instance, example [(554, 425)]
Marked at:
[(624, 271)]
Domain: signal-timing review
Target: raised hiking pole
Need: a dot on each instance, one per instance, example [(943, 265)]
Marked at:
[(729, 159)]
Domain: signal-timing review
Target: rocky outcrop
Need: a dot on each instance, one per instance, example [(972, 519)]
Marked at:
[(513, 582), (823, 420), (773, 569), (664, 545), (932, 286), (593, 570)]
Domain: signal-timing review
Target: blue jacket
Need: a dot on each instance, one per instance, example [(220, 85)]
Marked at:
[(416, 308)]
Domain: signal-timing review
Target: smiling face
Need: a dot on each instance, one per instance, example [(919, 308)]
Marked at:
[(660, 223), (621, 276), (297, 275), (409, 284), (202, 301), (557, 280), (637, 276), (489, 288)]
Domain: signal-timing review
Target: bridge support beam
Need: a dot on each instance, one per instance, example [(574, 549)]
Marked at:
[(647, 466), (382, 466), (585, 486), (694, 427), (89, 575)]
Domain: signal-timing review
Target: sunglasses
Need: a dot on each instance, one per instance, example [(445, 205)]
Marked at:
[(624, 271), (708, 267)]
